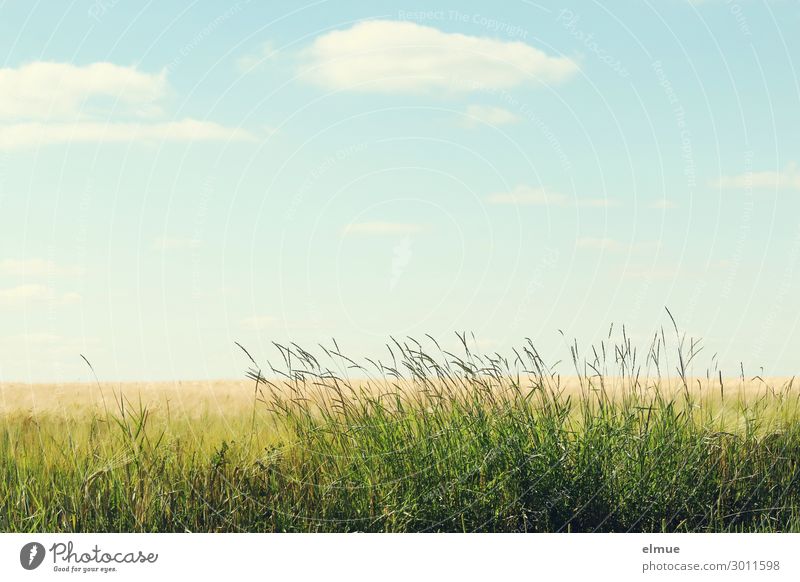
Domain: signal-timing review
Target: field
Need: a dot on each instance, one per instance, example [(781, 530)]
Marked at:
[(442, 442)]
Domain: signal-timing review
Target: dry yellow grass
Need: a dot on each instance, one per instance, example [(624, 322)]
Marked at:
[(230, 400), (192, 399)]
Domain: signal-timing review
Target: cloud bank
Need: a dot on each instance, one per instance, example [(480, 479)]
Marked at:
[(49, 103), (47, 90), (788, 179), (404, 57)]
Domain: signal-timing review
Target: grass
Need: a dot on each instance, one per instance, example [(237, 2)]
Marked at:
[(421, 442)]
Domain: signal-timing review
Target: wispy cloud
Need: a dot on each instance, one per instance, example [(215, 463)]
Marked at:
[(788, 179), (528, 196), (608, 244), (402, 56), (26, 135), (381, 228), (47, 345), (652, 273), (22, 295), (482, 114), (663, 204), (524, 195), (37, 339), (35, 268), (597, 202), (166, 243), (603, 244), (258, 322)]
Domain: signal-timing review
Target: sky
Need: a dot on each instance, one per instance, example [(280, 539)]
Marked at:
[(179, 176)]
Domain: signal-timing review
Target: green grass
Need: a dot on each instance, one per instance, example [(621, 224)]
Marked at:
[(435, 443)]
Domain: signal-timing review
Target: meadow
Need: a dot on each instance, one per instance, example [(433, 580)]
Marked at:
[(428, 440)]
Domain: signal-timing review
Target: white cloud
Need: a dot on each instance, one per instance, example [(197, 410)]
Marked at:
[(165, 243), (34, 268), (69, 298), (380, 228), (47, 103), (524, 195), (258, 322), (603, 244), (528, 195), (48, 90), (34, 339), (597, 202), (652, 273), (23, 293), (395, 56), (788, 179), (644, 247), (33, 293), (26, 135), (481, 114), (43, 347), (663, 204)]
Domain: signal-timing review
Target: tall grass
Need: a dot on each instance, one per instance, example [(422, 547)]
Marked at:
[(428, 440)]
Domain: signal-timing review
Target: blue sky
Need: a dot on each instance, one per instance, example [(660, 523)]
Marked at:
[(178, 176)]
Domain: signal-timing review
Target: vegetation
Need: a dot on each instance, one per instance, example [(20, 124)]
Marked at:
[(440, 442)]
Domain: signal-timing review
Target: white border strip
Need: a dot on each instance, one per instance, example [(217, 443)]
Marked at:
[(410, 557)]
